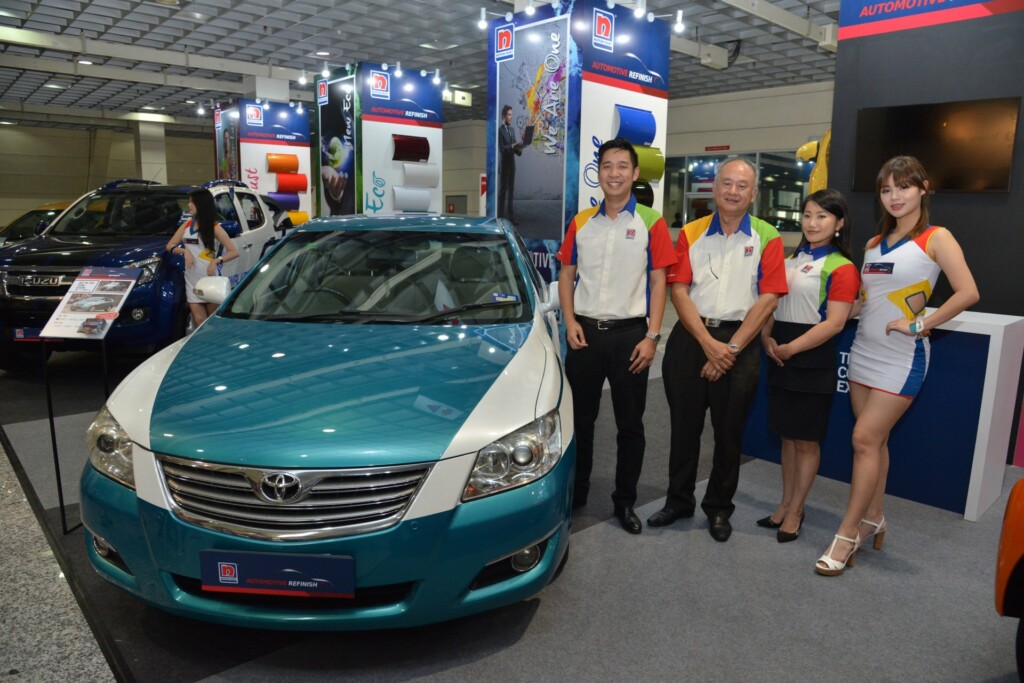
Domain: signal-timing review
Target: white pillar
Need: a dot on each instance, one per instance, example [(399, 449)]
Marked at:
[(150, 151)]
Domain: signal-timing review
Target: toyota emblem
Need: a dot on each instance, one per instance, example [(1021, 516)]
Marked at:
[(280, 487)]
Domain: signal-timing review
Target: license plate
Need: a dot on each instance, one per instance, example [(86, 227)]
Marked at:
[(325, 576), (41, 280)]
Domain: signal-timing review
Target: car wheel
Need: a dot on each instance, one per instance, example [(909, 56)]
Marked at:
[(17, 361)]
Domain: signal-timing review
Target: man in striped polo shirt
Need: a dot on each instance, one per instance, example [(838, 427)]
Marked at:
[(727, 281), (612, 289)]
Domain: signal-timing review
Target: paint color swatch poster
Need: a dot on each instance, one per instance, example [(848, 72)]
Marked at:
[(274, 154)]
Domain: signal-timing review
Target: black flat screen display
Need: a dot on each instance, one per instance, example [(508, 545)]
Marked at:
[(965, 146)]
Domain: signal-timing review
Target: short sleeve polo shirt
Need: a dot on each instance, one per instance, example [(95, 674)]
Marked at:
[(726, 274), (613, 258), (815, 277)]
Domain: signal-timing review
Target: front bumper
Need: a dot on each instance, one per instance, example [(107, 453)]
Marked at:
[(418, 572)]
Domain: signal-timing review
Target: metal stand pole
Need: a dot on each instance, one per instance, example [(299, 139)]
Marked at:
[(53, 443)]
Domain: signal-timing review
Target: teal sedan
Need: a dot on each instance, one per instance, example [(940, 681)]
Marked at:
[(373, 431)]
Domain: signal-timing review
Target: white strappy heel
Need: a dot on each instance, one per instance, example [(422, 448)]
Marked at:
[(879, 527), (828, 566)]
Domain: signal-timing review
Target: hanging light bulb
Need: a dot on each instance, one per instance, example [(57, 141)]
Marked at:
[(437, 77), (398, 69), (483, 19), (302, 77), (326, 72), (446, 92), (298, 108), (266, 105), (200, 111), (679, 25), (639, 11), (529, 8)]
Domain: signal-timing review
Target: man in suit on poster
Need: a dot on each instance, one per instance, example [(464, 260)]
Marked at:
[(509, 149)]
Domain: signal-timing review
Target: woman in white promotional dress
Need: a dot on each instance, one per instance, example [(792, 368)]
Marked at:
[(196, 240), (890, 353)]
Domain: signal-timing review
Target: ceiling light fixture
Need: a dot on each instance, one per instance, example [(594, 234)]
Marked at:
[(446, 92), (84, 61), (398, 69), (437, 77), (679, 25), (266, 105), (650, 17), (529, 8), (322, 53), (326, 72), (483, 19), (200, 111), (302, 77), (298, 108), (640, 8)]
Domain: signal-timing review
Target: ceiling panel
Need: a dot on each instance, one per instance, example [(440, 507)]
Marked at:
[(286, 33)]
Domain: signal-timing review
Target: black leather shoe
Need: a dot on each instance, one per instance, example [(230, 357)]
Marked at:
[(630, 522), (768, 523), (666, 516), (720, 528)]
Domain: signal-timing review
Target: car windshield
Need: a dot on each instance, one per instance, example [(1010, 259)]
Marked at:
[(385, 276), (123, 213)]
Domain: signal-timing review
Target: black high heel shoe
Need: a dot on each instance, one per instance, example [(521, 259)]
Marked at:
[(785, 537), (768, 523)]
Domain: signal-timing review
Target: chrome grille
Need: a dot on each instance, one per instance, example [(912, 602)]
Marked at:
[(36, 282), (298, 505)]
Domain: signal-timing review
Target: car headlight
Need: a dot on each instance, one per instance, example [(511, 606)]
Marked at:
[(110, 448), (149, 267), (516, 459)]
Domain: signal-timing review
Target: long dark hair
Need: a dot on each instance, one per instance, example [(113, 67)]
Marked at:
[(206, 215), (904, 170), (834, 203)]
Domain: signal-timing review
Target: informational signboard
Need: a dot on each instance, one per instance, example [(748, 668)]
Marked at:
[(91, 305)]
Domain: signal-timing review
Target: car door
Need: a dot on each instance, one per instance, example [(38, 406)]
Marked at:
[(259, 222)]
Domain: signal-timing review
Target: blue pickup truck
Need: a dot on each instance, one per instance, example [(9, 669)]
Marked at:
[(124, 224)]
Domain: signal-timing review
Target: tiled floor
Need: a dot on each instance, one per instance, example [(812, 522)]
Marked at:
[(43, 635)]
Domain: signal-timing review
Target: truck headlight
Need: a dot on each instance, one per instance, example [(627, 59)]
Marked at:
[(516, 459), (110, 448), (149, 267)]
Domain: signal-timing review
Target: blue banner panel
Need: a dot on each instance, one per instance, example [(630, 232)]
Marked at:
[(324, 576), (271, 122), (409, 99), (859, 18), (620, 49)]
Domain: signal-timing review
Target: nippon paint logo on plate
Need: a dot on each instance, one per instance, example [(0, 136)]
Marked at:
[(603, 37), (321, 93), (254, 115), (216, 119), (380, 85), (504, 42)]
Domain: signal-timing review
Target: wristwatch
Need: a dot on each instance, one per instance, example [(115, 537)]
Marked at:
[(653, 336), (733, 347)]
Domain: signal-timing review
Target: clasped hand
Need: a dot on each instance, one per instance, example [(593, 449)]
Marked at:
[(902, 326)]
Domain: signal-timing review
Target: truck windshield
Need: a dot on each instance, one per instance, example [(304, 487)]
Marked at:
[(104, 213)]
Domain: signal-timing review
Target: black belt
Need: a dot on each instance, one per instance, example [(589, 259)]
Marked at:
[(715, 322), (618, 324)]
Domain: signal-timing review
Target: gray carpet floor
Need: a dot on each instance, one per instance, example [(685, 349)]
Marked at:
[(670, 604)]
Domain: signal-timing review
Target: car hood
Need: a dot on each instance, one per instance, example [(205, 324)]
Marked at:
[(312, 395), (105, 250)]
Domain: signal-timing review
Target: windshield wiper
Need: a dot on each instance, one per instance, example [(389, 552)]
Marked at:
[(441, 315), (337, 317)]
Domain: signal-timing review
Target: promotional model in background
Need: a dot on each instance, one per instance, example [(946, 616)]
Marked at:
[(380, 141), (575, 77)]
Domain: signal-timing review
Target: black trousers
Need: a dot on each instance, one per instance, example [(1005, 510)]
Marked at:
[(606, 356), (689, 398)]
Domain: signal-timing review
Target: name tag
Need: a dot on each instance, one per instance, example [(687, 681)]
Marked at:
[(878, 268)]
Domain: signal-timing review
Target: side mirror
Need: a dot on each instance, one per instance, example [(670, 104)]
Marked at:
[(552, 304), (213, 289), (232, 228), (41, 227)]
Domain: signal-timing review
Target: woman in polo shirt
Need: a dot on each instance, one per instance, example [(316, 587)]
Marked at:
[(800, 343)]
